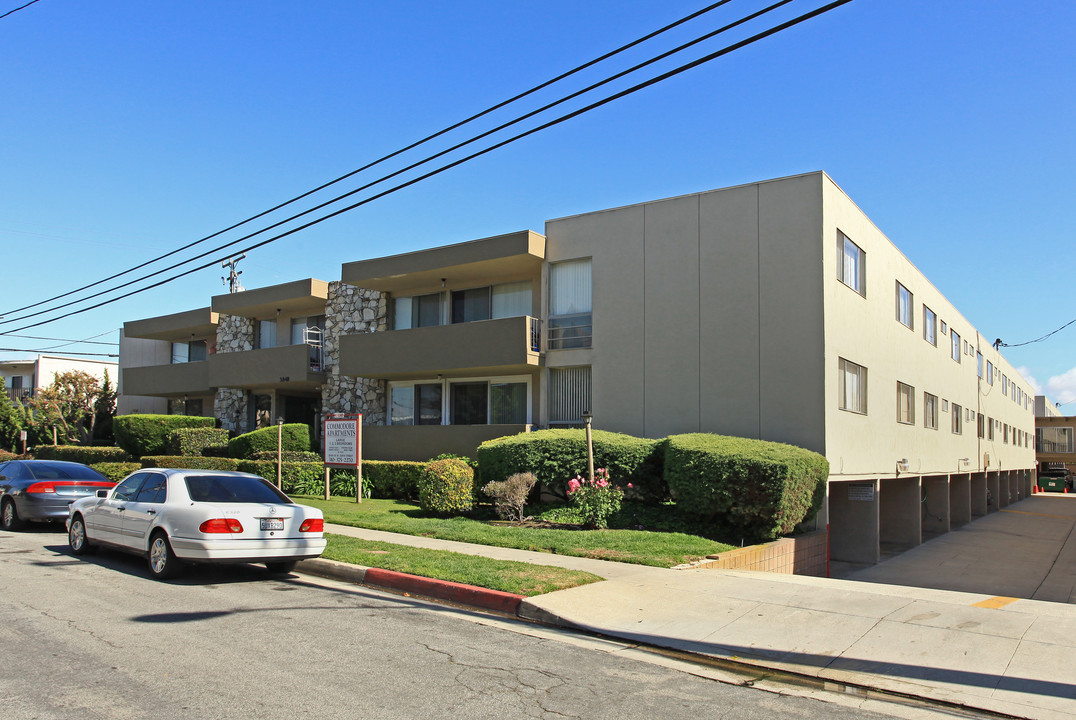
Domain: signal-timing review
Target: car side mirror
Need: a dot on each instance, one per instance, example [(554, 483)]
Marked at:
[(102, 493)]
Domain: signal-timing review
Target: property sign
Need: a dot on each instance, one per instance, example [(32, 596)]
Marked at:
[(861, 493), (342, 440)]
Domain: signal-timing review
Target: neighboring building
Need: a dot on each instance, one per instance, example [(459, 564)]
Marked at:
[(1045, 408), (24, 377), (774, 310), (1054, 448)]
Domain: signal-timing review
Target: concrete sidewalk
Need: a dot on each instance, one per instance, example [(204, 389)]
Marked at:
[(1004, 655)]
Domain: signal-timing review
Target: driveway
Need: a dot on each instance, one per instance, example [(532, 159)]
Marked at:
[(1027, 550)]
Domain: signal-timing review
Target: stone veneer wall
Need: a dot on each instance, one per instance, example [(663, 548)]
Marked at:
[(350, 310), (234, 334)]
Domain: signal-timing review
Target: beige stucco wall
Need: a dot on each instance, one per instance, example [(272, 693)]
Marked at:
[(707, 316), (865, 330)]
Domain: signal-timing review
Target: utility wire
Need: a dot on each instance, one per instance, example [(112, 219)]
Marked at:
[(380, 160), (4, 349), (88, 341), (1036, 340), (414, 165), (616, 96), (9, 12)]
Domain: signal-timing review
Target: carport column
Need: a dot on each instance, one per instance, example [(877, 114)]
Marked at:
[(853, 521), (960, 499), (980, 487), (936, 511), (901, 511), (1005, 482), (993, 491)]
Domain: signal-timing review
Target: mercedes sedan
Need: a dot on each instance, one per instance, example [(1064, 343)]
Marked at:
[(41, 490), (172, 517)]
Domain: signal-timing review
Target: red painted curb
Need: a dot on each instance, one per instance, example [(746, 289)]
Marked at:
[(445, 590)]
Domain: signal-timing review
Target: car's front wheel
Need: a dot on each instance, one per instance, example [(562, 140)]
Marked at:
[(282, 567), (163, 563), (9, 516), (76, 537)]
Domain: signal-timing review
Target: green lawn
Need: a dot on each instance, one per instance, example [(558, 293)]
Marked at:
[(504, 575), (660, 549)]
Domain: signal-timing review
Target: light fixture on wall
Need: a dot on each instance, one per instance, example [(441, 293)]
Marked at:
[(443, 283), (964, 462), (902, 465)]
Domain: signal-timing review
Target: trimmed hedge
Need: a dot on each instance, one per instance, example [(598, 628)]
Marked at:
[(300, 478), (190, 461), (85, 454), (556, 456), (295, 437), (398, 479), (116, 471), (287, 455), (447, 487), (754, 488), (193, 441), (148, 434)]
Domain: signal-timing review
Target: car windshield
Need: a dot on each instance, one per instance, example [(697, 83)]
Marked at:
[(56, 471), (232, 488)]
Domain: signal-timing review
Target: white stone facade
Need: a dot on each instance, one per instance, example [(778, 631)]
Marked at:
[(350, 311), (234, 334)]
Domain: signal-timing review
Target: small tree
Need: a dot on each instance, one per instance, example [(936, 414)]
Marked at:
[(70, 402), (510, 496), (11, 419), (104, 409)]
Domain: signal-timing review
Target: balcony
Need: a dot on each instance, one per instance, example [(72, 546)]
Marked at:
[(422, 442), (200, 323), (19, 395), (290, 366), (190, 378), (506, 346)]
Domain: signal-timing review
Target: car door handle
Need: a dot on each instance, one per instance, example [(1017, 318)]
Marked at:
[(151, 512)]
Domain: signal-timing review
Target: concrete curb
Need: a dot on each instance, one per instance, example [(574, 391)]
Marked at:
[(454, 592)]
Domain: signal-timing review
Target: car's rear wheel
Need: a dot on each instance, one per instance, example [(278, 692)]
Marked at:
[(76, 537), (163, 563), (281, 567), (9, 516)]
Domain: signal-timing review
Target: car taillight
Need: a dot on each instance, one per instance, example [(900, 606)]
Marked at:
[(221, 525), (312, 525), (41, 487)]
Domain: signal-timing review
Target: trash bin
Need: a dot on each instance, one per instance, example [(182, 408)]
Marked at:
[(1051, 484)]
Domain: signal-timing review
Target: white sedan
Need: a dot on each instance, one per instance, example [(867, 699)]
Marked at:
[(177, 516)]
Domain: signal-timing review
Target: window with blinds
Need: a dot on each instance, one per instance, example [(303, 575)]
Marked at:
[(569, 395)]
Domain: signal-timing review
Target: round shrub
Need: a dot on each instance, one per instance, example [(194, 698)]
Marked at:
[(446, 487), (756, 488), (294, 437), (116, 471), (194, 441)]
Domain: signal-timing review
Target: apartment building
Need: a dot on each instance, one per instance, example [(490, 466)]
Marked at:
[(23, 377), (774, 310), (250, 359)]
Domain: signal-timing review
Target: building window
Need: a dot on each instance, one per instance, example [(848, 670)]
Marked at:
[(508, 403), (852, 380), (990, 428), (569, 395), (945, 406), (469, 401), (944, 327), (979, 363), (930, 411), (958, 419), (989, 372), (982, 426), (956, 345), (930, 326), (1005, 433), (1053, 439), (905, 404), (417, 404), (1004, 384), (470, 305), (904, 306), (264, 334), (570, 322), (851, 264)]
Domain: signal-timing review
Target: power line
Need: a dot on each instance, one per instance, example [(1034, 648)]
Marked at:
[(616, 96), (999, 343), (24, 350), (9, 12), (412, 166), (369, 165), (87, 341)]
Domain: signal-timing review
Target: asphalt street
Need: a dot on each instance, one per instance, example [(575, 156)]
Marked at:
[(97, 638)]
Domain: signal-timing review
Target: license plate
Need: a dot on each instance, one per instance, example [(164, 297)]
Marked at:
[(272, 524)]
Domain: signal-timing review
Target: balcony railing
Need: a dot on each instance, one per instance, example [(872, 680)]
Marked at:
[(570, 331), (19, 394), (1051, 446)]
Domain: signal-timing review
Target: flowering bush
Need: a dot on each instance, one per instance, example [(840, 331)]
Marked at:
[(596, 501)]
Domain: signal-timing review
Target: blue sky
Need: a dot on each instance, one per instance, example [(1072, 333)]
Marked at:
[(131, 128)]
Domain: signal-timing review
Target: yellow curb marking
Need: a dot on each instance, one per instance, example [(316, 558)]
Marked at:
[(1024, 512), (995, 603)]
